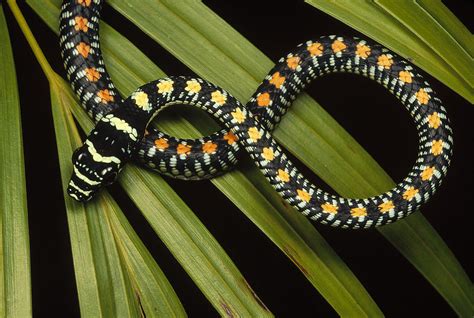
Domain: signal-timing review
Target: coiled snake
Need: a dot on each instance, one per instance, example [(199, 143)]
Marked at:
[(119, 135)]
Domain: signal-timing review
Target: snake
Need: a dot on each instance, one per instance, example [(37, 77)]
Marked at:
[(121, 134)]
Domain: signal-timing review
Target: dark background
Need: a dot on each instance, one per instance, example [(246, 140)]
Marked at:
[(363, 107)]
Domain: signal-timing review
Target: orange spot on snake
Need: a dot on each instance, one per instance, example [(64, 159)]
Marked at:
[(410, 193), (434, 120), (283, 175), (105, 96), (230, 137), (84, 3), (293, 62), (338, 46), (356, 212), (183, 149), (437, 147), (315, 49), (405, 76), (422, 96), (277, 80), (386, 206), (363, 51), (427, 174), (209, 147), (92, 74), (83, 49), (385, 61), (81, 24), (303, 195), (329, 208), (161, 143), (263, 100)]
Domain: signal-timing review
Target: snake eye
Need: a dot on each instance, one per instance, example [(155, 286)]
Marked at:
[(78, 155)]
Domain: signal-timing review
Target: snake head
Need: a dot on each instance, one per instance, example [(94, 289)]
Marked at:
[(91, 171), (99, 160), (102, 156)]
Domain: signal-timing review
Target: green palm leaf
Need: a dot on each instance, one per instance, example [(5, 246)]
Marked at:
[(15, 280), (108, 290), (338, 285), (310, 130), (425, 32), (115, 273)]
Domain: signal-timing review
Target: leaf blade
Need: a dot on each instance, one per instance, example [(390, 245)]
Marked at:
[(187, 239), (450, 23), (370, 19), (377, 178), (299, 254), (144, 71), (366, 176), (15, 280), (237, 290), (424, 27), (86, 237), (103, 243)]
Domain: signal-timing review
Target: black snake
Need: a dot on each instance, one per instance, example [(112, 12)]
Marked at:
[(120, 133)]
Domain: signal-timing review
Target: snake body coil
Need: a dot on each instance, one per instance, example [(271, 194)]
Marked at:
[(120, 131)]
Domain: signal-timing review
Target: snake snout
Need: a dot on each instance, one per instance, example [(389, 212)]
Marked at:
[(79, 189), (77, 195)]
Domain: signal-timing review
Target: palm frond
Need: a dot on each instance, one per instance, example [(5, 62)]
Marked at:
[(115, 273)]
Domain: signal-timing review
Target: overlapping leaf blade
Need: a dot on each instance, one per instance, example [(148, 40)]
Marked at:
[(115, 274), (450, 23), (201, 255), (94, 277), (330, 139), (15, 277), (339, 285), (427, 29), (187, 238), (193, 24), (438, 42), (108, 293), (421, 31)]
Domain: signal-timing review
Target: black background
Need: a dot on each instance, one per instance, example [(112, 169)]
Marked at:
[(364, 108)]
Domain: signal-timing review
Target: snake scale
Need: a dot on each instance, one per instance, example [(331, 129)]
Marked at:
[(120, 134)]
